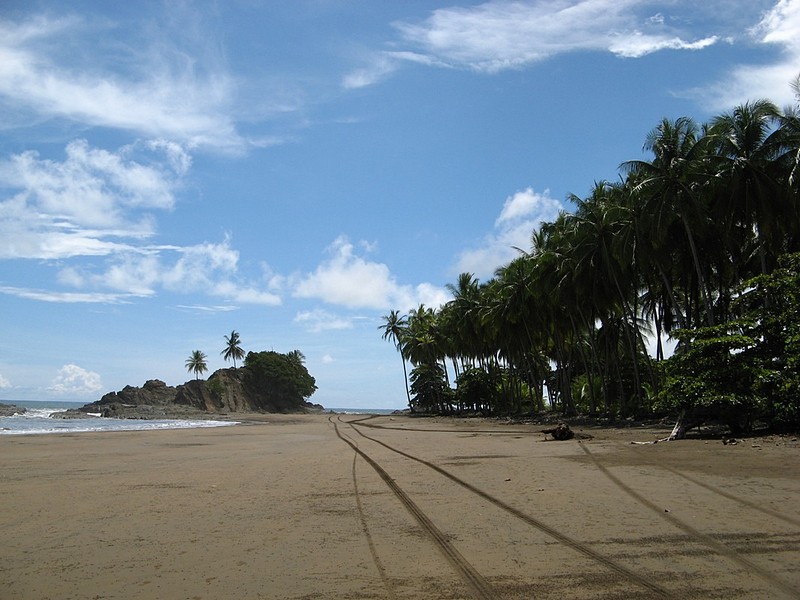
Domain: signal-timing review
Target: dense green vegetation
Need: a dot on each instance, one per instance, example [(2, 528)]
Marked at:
[(282, 378), (278, 381), (694, 242)]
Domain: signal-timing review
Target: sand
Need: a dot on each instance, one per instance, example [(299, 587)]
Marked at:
[(319, 506)]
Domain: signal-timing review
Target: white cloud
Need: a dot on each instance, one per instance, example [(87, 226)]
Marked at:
[(166, 95), (85, 205), (504, 34), (521, 214), (328, 359), (74, 380), (70, 208), (382, 65), (65, 297), (636, 45), (211, 309), (206, 268), (4, 383), (349, 280), (321, 320), (780, 27)]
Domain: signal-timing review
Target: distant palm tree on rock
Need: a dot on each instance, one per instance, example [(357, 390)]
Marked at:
[(196, 363), (233, 350)]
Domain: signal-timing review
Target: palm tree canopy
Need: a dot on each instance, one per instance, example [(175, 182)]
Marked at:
[(196, 363), (233, 349)]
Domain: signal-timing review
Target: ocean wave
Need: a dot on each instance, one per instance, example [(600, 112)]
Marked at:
[(38, 424)]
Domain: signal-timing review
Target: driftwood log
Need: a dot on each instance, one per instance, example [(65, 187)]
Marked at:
[(560, 432)]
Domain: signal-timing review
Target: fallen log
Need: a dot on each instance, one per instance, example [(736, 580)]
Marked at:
[(560, 432)]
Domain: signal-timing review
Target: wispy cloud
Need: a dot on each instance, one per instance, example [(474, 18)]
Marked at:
[(167, 95), (348, 279), (207, 268), (99, 203), (779, 28), (319, 320), (504, 34), (83, 205), (521, 214), (65, 297)]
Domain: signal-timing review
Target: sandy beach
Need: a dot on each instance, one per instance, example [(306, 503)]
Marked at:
[(327, 506)]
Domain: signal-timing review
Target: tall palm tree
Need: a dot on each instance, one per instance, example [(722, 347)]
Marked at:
[(394, 329), (233, 348), (196, 363), (750, 197), (671, 186)]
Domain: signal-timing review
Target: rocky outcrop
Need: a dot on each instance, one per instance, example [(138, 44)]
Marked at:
[(226, 391), (154, 392), (9, 410)]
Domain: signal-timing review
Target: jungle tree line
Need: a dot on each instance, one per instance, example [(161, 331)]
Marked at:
[(673, 247)]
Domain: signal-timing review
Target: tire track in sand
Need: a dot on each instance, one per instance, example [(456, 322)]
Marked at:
[(716, 490), (533, 522), (770, 578), (479, 587), (365, 528)]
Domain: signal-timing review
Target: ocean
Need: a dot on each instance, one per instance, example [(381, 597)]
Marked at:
[(39, 420)]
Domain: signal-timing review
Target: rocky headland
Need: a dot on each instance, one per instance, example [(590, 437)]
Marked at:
[(226, 392), (9, 410)]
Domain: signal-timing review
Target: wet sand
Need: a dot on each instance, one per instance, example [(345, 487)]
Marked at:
[(319, 506)]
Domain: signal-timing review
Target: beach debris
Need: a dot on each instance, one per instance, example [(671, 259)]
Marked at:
[(560, 432)]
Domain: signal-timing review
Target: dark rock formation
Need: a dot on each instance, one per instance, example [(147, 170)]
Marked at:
[(154, 392), (9, 410), (226, 391)]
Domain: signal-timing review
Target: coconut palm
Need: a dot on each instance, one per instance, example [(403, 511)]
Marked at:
[(196, 363), (233, 349), (394, 329), (670, 186), (749, 195)]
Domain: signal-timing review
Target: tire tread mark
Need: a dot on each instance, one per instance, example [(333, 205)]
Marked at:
[(474, 580), (536, 523), (709, 541), (365, 528), (723, 493)]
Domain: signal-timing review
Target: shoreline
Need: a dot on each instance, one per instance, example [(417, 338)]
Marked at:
[(424, 508)]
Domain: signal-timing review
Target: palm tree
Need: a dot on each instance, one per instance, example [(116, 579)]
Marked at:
[(394, 328), (670, 187), (196, 363), (750, 196), (233, 349), (296, 357)]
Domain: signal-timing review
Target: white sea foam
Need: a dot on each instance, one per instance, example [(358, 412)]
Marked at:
[(38, 420)]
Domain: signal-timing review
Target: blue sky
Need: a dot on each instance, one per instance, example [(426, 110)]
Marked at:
[(172, 171)]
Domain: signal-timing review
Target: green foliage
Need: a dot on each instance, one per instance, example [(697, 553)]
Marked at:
[(772, 302), (429, 392), (216, 388), (746, 369), (475, 390), (714, 376), (690, 239), (282, 377)]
